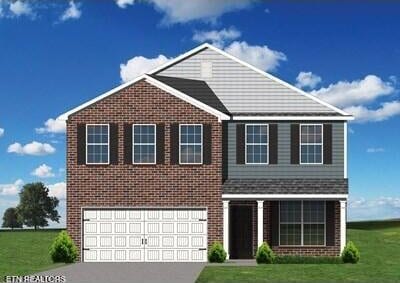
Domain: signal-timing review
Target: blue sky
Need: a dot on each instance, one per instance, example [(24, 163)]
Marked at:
[(54, 56)]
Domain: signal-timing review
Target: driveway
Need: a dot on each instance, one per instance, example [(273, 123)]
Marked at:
[(129, 272)]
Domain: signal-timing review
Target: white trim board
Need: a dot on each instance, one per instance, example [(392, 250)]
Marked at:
[(292, 118), (284, 196)]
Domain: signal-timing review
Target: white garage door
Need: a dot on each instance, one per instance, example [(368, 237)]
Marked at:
[(145, 235)]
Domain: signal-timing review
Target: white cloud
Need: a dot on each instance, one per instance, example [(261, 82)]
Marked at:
[(307, 80), (375, 149), (378, 208), (217, 38), (357, 92), (58, 190), (43, 171), (33, 148), (139, 65), (72, 12), (11, 189), (52, 126), (178, 11), (363, 114), (1, 132), (260, 56), (21, 8)]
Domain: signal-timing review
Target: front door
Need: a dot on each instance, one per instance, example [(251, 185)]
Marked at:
[(241, 232)]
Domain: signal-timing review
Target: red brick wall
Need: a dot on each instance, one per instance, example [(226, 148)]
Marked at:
[(143, 185)]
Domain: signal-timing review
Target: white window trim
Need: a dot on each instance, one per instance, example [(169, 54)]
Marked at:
[(302, 226), (108, 145), (201, 144), (322, 145), (133, 144), (246, 143)]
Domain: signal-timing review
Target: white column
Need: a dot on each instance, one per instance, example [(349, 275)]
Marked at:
[(226, 226), (260, 222), (343, 219)]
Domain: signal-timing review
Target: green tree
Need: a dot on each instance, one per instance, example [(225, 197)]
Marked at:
[(36, 206), (11, 218)]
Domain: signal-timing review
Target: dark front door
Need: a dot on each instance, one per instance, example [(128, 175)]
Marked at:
[(241, 232)]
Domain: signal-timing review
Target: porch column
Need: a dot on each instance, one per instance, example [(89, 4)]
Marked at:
[(226, 226), (260, 222), (343, 219)]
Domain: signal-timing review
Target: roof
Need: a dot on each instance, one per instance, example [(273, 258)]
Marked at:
[(285, 186)]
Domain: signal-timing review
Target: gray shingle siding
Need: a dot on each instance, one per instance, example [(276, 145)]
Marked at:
[(241, 89), (284, 169)]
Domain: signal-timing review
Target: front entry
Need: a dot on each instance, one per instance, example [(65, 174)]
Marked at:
[(241, 232)]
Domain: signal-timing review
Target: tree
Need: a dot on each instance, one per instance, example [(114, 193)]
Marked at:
[(36, 206), (11, 219)]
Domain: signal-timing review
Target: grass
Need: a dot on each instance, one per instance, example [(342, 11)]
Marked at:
[(25, 252), (379, 244)]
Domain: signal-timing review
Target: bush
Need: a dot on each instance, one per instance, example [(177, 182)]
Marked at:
[(350, 253), (63, 249), (288, 259), (265, 254), (216, 253)]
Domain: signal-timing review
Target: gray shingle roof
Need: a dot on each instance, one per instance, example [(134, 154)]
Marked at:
[(285, 186)]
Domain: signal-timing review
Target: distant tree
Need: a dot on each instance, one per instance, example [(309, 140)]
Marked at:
[(36, 206), (11, 219)]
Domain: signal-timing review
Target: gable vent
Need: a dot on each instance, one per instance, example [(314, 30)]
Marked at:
[(206, 69)]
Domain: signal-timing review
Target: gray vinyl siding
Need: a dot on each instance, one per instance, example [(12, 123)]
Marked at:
[(241, 89), (284, 169)]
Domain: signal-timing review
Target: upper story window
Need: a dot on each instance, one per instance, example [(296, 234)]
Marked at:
[(311, 144), (97, 143), (144, 144), (257, 143), (191, 144)]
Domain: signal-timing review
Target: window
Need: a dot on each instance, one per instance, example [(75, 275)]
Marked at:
[(97, 144), (144, 144), (257, 144), (302, 223), (190, 144), (311, 144)]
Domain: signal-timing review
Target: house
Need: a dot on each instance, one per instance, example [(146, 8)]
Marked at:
[(205, 148)]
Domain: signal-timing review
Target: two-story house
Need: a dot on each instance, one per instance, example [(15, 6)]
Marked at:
[(205, 148)]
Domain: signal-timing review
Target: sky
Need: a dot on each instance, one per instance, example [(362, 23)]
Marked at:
[(57, 55)]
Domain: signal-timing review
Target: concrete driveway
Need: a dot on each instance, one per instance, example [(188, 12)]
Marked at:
[(129, 272)]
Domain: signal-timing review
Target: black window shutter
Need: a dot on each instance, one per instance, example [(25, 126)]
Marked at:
[(113, 143), (128, 144), (240, 144), (81, 144), (160, 144), (174, 143), (330, 223), (274, 223), (294, 143), (207, 146), (273, 143), (327, 144)]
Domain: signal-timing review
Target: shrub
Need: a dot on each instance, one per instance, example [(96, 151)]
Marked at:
[(63, 249), (265, 254), (350, 253), (288, 259), (216, 253)]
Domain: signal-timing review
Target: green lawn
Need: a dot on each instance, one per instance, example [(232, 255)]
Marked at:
[(379, 244), (25, 252)]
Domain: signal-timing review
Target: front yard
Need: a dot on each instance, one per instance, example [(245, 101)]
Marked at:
[(379, 244)]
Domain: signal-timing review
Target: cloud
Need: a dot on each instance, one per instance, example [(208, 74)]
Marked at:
[(72, 12), (20, 8), (260, 56), (363, 114), (178, 11), (1, 132), (139, 65), (375, 149), (58, 190), (217, 38), (378, 208), (357, 92), (307, 80), (52, 126), (43, 171), (11, 189), (33, 148)]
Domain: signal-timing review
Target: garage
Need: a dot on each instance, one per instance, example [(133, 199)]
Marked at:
[(145, 235)]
